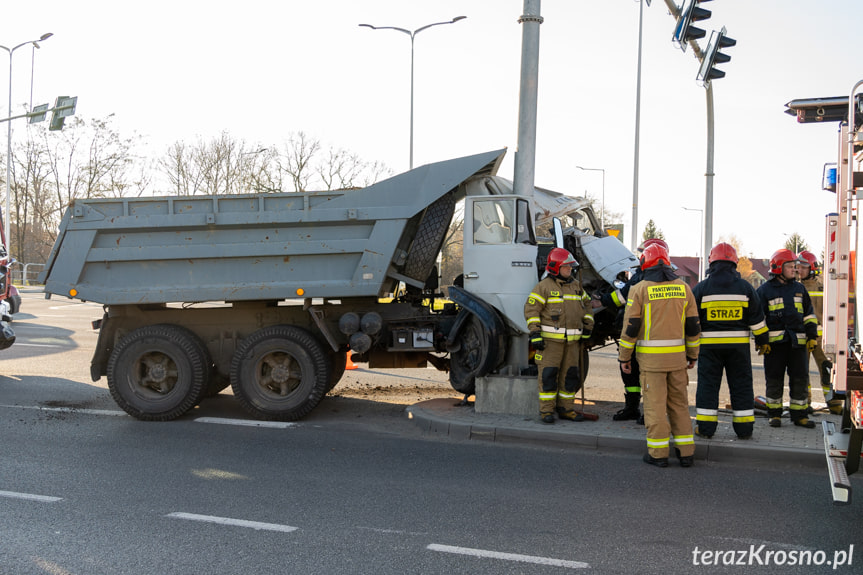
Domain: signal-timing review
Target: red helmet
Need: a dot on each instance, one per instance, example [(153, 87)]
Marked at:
[(723, 252), (650, 242), (559, 257), (653, 255), (807, 257), (779, 259)]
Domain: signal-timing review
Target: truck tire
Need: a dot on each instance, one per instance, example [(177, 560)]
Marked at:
[(280, 373), (466, 362), (158, 372), (429, 237)]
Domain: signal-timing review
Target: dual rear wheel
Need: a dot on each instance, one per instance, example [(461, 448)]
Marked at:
[(159, 372)]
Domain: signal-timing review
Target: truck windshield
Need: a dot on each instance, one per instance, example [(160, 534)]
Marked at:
[(578, 220)]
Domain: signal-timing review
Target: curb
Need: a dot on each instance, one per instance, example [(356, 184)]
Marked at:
[(435, 422)]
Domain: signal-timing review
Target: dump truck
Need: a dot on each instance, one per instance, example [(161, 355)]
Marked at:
[(268, 292), (842, 338)]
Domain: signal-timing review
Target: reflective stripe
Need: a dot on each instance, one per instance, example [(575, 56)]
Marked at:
[(759, 327), (544, 396), (555, 300), (659, 342), (547, 329), (683, 439), (657, 443), (537, 297), (776, 335), (706, 414), (657, 350), (632, 389), (693, 343), (588, 316), (627, 344), (566, 395), (729, 333), (816, 294), (775, 304), (743, 416), (617, 298), (531, 320), (723, 298), (661, 346)]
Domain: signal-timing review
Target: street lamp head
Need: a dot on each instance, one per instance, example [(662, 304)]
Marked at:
[(457, 18), (45, 36), (367, 26)]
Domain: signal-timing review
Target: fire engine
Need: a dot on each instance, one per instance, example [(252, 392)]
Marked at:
[(842, 340)]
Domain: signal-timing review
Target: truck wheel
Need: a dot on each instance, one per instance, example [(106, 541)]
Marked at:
[(338, 362), (280, 373), (466, 362), (429, 236), (158, 372)]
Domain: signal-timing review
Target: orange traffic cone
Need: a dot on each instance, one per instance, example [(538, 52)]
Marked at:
[(350, 364)]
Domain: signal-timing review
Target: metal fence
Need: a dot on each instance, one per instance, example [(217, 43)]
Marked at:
[(25, 274)]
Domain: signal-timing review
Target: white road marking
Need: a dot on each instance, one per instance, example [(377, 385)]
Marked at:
[(235, 522), (68, 409), (247, 422), (29, 496), (508, 556), (22, 344)]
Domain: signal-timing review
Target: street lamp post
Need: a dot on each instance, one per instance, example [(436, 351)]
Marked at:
[(6, 214), (701, 266), (602, 207), (412, 35)]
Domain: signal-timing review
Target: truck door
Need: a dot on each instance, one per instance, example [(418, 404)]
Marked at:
[(500, 253)]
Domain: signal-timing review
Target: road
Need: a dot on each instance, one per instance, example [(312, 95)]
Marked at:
[(354, 488)]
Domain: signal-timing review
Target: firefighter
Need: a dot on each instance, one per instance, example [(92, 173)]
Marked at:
[(810, 277), (793, 332), (558, 317), (631, 380), (661, 326), (728, 309)]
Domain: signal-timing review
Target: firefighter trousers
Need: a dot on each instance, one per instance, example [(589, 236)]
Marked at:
[(784, 358), (736, 362), (666, 412), (631, 385), (559, 377)]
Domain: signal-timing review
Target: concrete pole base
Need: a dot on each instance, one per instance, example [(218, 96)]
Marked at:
[(512, 394)]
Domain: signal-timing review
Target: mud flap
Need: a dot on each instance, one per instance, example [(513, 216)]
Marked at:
[(477, 340)]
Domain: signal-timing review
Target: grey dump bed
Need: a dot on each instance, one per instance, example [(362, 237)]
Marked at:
[(338, 244)]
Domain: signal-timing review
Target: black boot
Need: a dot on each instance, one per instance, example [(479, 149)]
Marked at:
[(630, 409)]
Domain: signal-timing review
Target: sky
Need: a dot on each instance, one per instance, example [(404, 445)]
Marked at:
[(261, 70)]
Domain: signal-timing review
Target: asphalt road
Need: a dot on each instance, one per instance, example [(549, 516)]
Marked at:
[(84, 489)]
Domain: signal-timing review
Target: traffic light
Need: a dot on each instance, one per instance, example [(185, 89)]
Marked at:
[(713, 56), (684, 31)]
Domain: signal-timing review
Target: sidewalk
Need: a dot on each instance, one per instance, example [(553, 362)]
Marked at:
[(789, 444)]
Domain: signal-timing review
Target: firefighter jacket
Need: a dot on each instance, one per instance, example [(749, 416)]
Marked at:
[(560, 309), (660, 324), (815, 287), (728, 309), (789, 312)]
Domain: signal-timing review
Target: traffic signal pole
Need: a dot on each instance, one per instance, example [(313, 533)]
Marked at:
[(708, 175)]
